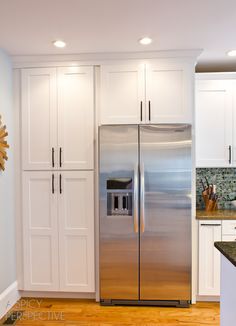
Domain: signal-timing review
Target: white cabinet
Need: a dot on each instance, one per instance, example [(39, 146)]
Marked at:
[(169, 92), (75, 118), (58, 205), (76, 231), (229, 230), (209, 258), (58, 219), (122, 94), (214, 122), (40, 235), (39, 117), (57, 118), (154, 92), (229, 227)]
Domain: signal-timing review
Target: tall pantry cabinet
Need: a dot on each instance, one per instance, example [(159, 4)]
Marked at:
[(57, 121)]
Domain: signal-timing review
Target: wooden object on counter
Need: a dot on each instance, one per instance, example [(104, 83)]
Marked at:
[(210, 197), (220, 214)]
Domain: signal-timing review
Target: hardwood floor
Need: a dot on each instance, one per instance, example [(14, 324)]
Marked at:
[(52, 312)]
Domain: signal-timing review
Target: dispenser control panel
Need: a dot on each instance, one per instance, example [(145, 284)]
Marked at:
[(119, 196)]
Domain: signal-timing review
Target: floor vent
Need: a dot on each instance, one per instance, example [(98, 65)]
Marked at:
[(13, 317)]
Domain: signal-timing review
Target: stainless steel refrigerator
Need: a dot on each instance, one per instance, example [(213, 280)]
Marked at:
[(145, 214)]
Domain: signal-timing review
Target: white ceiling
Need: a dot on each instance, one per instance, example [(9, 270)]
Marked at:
[(27, 27)]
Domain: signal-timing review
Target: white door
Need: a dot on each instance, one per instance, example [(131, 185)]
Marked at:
[(234, 124), (122, 94), (75, 117), (76, 231), (40, 231), (213, 123), (39, 123), (168, 92), (209, 258)]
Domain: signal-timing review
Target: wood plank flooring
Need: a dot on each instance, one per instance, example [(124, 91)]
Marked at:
[(71, 312)]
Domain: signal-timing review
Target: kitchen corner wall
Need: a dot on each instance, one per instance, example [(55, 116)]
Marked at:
[(7, 219), (225, 181)]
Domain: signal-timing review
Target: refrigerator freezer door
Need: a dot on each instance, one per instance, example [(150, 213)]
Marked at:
[(165, 212), (119, 226)]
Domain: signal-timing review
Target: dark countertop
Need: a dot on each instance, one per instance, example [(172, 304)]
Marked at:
[(220, 214), (228, 249)]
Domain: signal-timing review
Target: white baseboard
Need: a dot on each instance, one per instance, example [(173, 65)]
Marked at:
[(205, 298), (58, 295), (8, 298)]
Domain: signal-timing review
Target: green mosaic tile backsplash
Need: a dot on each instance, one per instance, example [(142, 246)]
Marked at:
[(225, 181)]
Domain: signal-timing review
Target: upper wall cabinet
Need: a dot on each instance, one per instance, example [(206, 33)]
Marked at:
[(57, 118), (169, 92), (214, 126), (155, 92), (123, 94)]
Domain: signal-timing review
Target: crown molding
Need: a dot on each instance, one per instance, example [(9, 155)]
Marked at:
[(29, 61)]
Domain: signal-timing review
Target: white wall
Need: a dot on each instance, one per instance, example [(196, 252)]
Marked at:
[(7, 220)]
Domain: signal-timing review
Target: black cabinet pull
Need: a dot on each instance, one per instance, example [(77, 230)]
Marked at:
[(205, 224), (53, 163), (141, 110), (149, 110), (60, 156), (60, 184), (53, 190), (230, 154)]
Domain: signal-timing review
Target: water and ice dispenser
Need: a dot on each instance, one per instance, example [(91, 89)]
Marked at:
[(119, 196)]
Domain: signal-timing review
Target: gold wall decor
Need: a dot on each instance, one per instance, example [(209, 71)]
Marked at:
[(3, 145)]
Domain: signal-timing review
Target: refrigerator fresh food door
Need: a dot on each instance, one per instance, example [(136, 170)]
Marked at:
[(119, 220), (165, 212)]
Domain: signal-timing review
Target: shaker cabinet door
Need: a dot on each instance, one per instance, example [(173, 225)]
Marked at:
[(122, 94), (214, 115), (39, 115), (75, 118), (40, 231), (209, 258), (76, 231), (169, 92)]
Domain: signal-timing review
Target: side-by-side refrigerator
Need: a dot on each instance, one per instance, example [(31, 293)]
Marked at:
[(145, 214)]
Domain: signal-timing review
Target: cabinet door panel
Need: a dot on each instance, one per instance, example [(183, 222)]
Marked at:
[(38, 118), (76, 117), (209, 258), (169, 88), (213, 122), (122, 91), (40, 232), (76, 237), (228, 237), (234, 124), (229, 227)]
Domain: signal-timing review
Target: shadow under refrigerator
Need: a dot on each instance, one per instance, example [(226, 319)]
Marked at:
[(145, 214)]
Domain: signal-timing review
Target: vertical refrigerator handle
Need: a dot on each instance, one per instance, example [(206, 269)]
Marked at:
[(142, 198), (135, 203)]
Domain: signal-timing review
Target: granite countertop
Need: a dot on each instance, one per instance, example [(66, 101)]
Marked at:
[(228, 249), (220, 214)]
